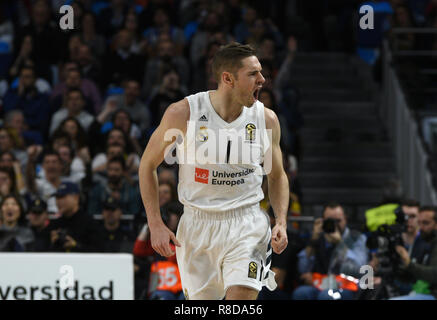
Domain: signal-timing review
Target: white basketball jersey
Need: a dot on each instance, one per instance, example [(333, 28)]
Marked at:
[(219, 162)]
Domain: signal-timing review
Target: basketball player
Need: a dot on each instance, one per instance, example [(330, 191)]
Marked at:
[(224, 241)]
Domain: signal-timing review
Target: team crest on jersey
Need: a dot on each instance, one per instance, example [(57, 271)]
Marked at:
[(202, 135), (253, 269), (186, 294), (250, 132)]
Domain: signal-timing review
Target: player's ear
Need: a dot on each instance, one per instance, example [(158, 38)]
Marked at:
[(228, 79)]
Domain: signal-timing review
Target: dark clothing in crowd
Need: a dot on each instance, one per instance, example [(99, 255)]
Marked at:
[(82, 228), (35, 108), (42, 240), (118, 240)]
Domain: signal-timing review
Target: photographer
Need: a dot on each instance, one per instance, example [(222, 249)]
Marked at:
[(333, 249), (392, 280), (74, 230), (426, 272), (415, 245)]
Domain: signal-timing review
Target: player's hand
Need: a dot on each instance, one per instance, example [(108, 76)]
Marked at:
[(279, 238), (160, 237)]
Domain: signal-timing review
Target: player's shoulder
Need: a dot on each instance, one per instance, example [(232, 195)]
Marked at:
[(271, 118), (180, 108), (177, 112)]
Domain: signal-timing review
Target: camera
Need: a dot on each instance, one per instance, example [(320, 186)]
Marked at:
[(384, 241), (62, 234), (329, 225)]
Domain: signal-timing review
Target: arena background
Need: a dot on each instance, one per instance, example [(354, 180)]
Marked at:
[(357, 107)]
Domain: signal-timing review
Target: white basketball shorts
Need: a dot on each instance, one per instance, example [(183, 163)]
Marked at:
[(223, 249)]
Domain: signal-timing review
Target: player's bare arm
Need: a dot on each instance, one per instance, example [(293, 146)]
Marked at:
[(175, 117), (278, 185)]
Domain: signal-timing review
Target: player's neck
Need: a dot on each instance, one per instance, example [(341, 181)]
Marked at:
[(225, 106)]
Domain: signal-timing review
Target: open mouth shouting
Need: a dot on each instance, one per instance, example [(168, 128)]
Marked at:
[(256, 93), (9, 215)]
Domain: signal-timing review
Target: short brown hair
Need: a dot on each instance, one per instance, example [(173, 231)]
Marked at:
[(229, 58)]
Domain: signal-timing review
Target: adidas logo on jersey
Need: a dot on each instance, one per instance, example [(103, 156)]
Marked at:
[(203, 118)]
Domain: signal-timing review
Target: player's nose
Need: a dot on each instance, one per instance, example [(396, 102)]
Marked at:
[(261, 79)]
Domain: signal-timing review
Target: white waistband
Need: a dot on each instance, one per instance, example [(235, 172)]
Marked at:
[(221, 215)]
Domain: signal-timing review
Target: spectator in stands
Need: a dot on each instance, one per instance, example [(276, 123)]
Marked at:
[(47, 38), (268, 54), (122, 120), (74, 80), (100, 127), (8, 183), (169, 91), (11, 164), (342, 251), (111, 18), (121, 62), (159, 288), (90, 69), (162, 26), (207, 32), (72, 51), (286, 94), (13, 235), (131, 24), (38, 221), (91, 37), (242, 30), (16, 125), (167, 194), (288, 136), (8, 144), (99, 163), (44, 187), (74, 230), (117, 187), (117, 237), (167, 175), (72, 128), (285, 74), (166, 59), (26, 57), (118, 138), (34, 105), (425, 272), (203, 79), (130, 99), (262, 28), (74, 108), (73, 168)]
